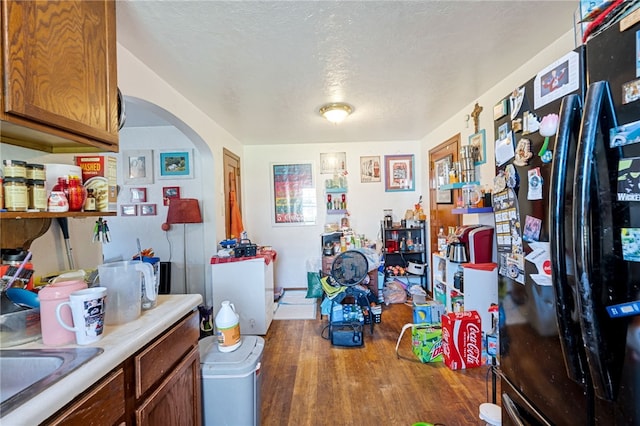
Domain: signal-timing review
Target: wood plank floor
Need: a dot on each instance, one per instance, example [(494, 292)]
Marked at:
[(306, 381)]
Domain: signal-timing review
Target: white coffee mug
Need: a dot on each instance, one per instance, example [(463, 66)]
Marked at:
[(87, 311)]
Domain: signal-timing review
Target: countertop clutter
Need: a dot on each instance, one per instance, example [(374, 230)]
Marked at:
[(119, 343)]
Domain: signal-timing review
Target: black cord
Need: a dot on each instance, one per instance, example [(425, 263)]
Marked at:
[(326, 328)]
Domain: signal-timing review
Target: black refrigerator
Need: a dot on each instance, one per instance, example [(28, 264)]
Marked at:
[(567, 210)]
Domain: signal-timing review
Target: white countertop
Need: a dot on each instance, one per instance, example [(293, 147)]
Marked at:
[(119, 343)]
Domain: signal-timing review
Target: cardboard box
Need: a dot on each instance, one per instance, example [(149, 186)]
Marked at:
[(429, 312), (99, 172), (462, 340), (426, 342)]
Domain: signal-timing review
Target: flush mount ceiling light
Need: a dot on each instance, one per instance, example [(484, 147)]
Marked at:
[(335, 113)]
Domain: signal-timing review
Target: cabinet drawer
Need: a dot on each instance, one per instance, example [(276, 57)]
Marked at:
[(163, 355), (103, 404)]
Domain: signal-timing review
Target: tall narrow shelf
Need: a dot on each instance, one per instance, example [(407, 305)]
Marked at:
[(480, 287), (394, 256), (340, 194)]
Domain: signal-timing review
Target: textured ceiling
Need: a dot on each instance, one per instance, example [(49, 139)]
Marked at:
[(262, 69)]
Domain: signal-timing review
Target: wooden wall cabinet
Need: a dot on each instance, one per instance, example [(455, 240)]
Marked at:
[(160, 384), (59, 76)]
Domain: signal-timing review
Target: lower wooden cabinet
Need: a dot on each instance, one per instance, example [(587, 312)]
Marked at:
[(158, 385), (103, 404), (177, 400)]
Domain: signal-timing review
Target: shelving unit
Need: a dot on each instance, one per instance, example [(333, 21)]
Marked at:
[(479, 292), (457, 185), (472, 210), (394, 256), (338, 194)]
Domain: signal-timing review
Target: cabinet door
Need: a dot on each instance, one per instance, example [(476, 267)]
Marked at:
[(177, 401), (152, 363), (59, 73), (103, 404)]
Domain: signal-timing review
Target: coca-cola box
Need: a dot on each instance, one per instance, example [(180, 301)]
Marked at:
[(462, 340)]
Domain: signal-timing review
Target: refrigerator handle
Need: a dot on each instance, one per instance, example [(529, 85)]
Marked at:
[(599, 113), (569, 331), (511, 410)]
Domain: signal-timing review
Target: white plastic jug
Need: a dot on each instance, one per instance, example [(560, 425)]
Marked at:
[(228, 328), (123, 281)]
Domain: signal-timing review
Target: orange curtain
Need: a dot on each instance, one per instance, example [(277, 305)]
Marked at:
[(236, 217)]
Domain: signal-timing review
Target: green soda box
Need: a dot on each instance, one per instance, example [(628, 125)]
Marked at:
[(426, 342)]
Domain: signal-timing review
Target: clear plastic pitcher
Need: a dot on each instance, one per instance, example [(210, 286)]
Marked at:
[(123, 281), (147, 301)]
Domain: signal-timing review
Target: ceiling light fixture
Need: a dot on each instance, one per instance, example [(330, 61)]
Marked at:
[(336, 112)]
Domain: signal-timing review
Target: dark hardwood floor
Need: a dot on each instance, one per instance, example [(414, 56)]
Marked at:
[(307, 381)]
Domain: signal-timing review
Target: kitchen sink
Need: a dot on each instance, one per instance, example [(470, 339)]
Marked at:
[(26, 372)]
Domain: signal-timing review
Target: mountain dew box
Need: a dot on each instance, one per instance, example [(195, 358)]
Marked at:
[(426, 342), (100, 173)]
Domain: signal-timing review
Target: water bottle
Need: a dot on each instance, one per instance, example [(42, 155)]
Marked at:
[(228, 328)]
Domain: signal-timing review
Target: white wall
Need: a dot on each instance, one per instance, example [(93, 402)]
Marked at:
[(136, 80), (366, 201), (458, 124), (168, 246)]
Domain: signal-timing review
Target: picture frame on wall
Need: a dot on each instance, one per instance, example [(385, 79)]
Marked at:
[(169, 192), (293, 193), (148, 210), (138, 195), (399, 173), (333, 162), (442, 167), (138, 167), (129, 210), (370, 169), (477, 140), (175, 164)]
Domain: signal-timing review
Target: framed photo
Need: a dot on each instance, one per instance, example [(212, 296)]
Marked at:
[(477, 140), (138, 167), (129, 210), (148, 210), (442, 167), (370, 169), (557, 80), (334, 162), (294, 194), (398, 173), (138, 195), (169, 192), (175, 164)]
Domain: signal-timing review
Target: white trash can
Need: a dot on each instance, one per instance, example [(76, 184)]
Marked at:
[(231, 382)]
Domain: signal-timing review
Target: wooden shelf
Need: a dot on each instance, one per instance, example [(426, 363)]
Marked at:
[(457, 185), (339, 211), (51, 215), (19, 229), (335, 190), (472, 210)]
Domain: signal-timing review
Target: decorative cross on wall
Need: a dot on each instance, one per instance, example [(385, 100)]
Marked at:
[(477, 109)]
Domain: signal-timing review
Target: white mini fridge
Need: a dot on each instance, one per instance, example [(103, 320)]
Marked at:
[(231, 382), (248, 284)]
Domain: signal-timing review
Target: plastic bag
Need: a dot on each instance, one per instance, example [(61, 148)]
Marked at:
[(314, 287), (394, 292)]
